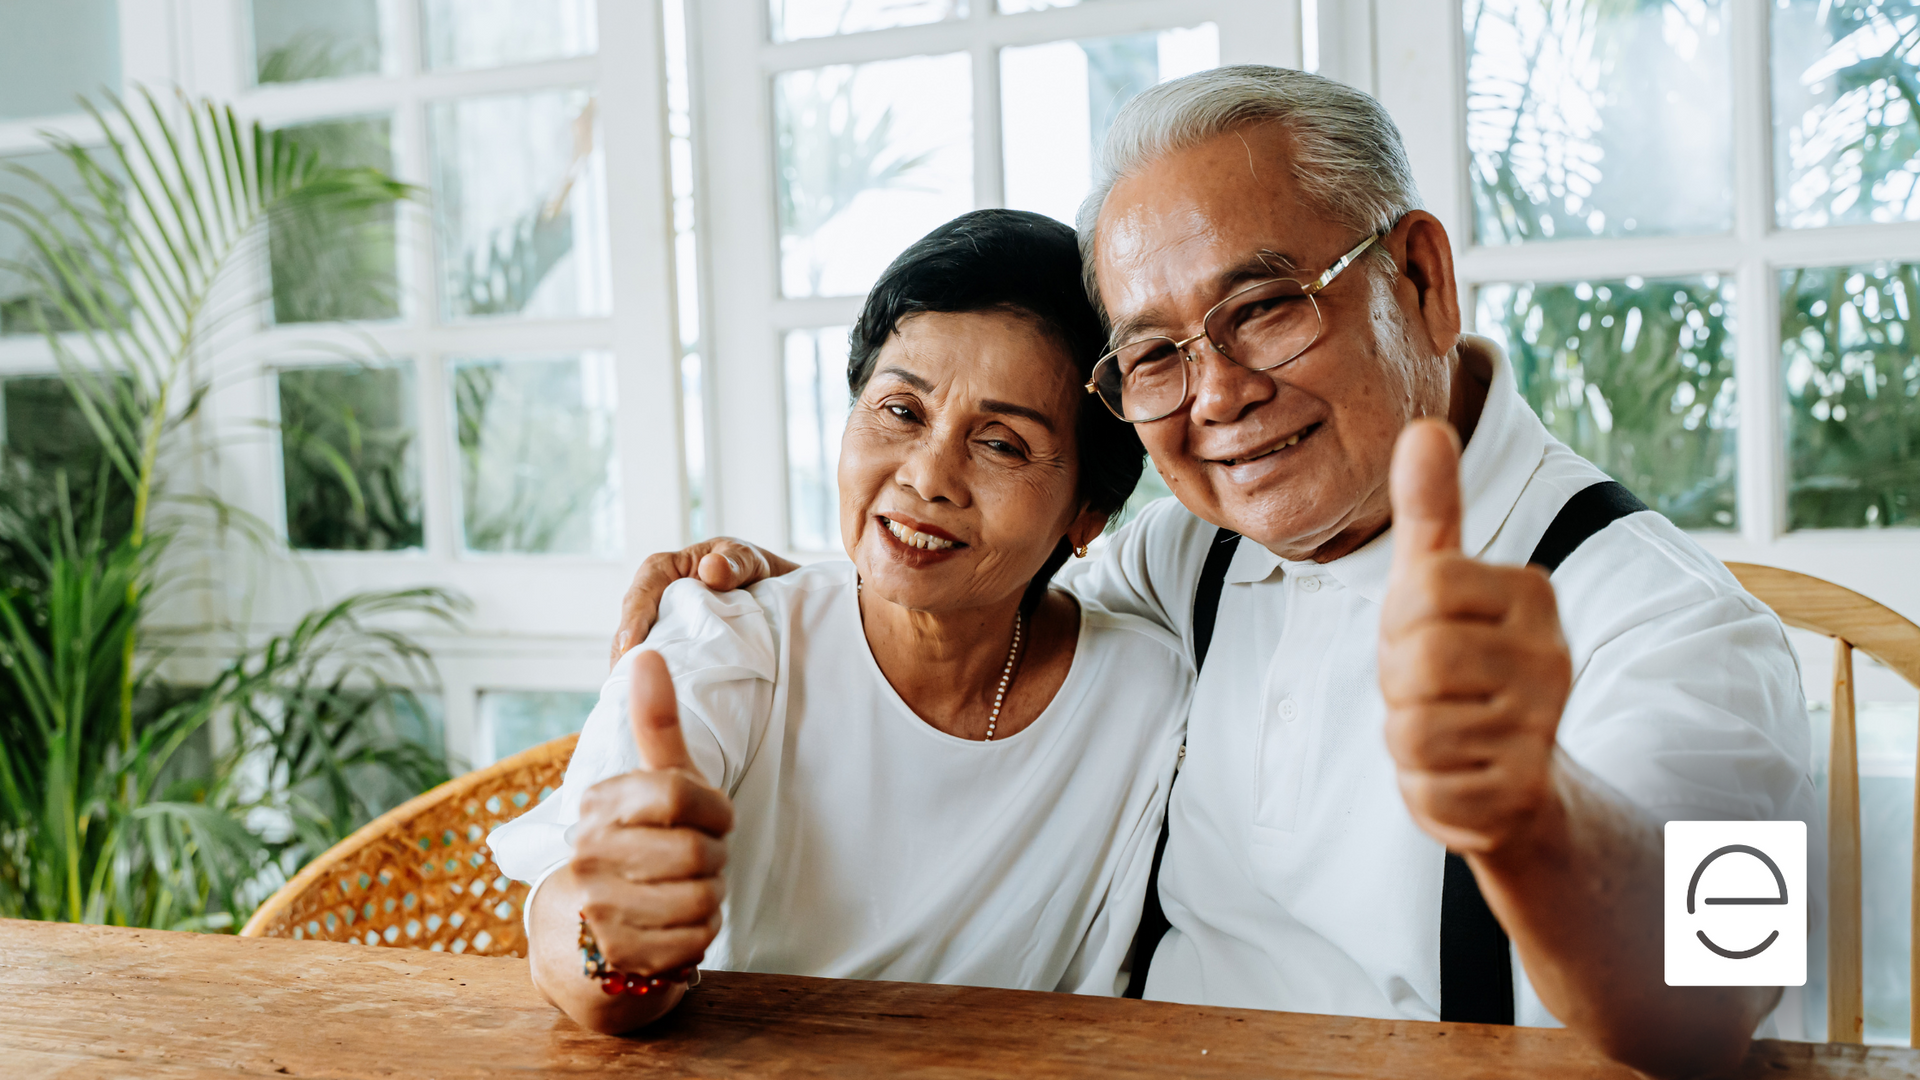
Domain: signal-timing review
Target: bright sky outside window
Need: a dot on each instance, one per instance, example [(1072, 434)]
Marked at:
[(520, 205), (492, 33), (869, 158), (1587, 119), (1846, 141), (792, 20), (1057, 101)]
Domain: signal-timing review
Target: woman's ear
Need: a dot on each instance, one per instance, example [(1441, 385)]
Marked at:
[(1085, 527)]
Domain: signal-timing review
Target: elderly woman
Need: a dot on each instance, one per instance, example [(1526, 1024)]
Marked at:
[(925, 764)]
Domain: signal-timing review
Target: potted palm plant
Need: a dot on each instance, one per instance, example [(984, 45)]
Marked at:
[(115, 804)]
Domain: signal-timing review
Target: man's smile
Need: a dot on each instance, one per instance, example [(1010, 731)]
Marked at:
[(1269, 449)]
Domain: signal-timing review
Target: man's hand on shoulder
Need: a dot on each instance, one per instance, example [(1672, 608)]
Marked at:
[(1473, 666), (721, 563)]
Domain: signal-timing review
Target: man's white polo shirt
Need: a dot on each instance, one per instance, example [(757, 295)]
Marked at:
[(1294, 876)]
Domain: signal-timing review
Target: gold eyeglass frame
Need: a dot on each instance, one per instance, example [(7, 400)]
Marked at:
[(1307, 289)]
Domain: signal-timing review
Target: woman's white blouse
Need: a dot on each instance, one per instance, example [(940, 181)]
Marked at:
[(868, 844)]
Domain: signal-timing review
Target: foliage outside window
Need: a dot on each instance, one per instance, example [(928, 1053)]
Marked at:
[(537, 469), (1636, 376), (1853, 395), (341, 264), (348, 458), (297, 40)]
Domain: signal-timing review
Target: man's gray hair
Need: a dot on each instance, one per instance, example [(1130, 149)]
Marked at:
[(1346, 156)]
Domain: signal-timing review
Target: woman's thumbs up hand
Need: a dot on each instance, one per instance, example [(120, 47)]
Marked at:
[(651, 843), (1473, 667)]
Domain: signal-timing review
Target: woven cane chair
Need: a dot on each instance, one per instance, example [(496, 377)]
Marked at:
[(1853, 622), (420, 876)]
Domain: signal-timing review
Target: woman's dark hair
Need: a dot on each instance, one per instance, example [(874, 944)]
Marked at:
[(1010, 260)]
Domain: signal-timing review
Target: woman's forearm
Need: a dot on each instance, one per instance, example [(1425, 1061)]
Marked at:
[(553, 948)]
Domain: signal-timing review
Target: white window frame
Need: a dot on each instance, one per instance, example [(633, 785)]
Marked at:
[(539, 622), (1417, 69), (735, 63)]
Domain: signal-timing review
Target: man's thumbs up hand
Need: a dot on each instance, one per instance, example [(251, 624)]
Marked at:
[(1473, 667), (651, 843)]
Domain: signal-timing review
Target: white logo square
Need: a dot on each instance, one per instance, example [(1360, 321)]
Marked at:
[(1736, 903)]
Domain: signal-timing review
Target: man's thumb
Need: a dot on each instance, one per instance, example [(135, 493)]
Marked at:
[(1424, 487), (656, 714)]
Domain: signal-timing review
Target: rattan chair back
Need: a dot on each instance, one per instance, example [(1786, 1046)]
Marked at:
[(420, 876)]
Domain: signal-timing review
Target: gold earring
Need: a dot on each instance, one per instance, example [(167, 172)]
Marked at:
[(1080, 552)]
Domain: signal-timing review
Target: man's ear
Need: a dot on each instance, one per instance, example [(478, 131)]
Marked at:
[(1426, 260), (1086, 527)]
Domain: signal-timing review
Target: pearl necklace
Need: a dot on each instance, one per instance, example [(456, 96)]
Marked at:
[(1006, 673)]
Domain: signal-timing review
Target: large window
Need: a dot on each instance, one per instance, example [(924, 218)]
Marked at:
[(844, 131), (1693, 225)]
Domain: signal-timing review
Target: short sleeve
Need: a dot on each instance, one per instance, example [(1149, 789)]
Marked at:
[(720, 650), (1141, 566), (1697, 713)]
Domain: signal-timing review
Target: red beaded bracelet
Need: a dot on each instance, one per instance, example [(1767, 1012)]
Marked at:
[(618, 982)]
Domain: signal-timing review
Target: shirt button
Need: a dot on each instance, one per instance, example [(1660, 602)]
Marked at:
[(1311, 584), (1288, 710)]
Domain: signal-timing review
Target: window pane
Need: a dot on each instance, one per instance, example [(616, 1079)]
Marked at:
[(791, 20), (686, 264), (1886, 732), (1057, 101), (299, 39), (340, 264), (53, 51), (1846, 144), (1150, 488), (520, 206), (817, 402), (1019, 7), (516, 720), (489, 33), (349, 458), (1637, 376), (1587, 118), (43, 434), (17, 291), (1853, 395), (870, 158), (537, 468)]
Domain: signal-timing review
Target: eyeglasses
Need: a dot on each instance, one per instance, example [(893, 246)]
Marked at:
[(1260, 327)]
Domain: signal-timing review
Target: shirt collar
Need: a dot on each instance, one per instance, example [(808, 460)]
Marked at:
[(1499, 460)]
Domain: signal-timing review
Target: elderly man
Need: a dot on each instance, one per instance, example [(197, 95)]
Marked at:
[(1370, 699)]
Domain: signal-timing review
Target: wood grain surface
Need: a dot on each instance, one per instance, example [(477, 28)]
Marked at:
[(81, 1002)]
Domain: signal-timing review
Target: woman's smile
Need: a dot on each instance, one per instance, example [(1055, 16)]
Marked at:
[(917, 534)]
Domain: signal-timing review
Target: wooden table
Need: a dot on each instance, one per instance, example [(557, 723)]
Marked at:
[(95, 1002)]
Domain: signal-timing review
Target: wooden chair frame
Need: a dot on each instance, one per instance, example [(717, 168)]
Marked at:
[(1853, 622)]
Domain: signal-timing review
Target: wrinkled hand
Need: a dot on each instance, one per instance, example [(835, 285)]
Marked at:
[(1473, 666), (651, 843), (722, 563)]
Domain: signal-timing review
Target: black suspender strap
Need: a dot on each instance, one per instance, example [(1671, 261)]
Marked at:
[(1590, 510), (1476, 965), (1206, 607)]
